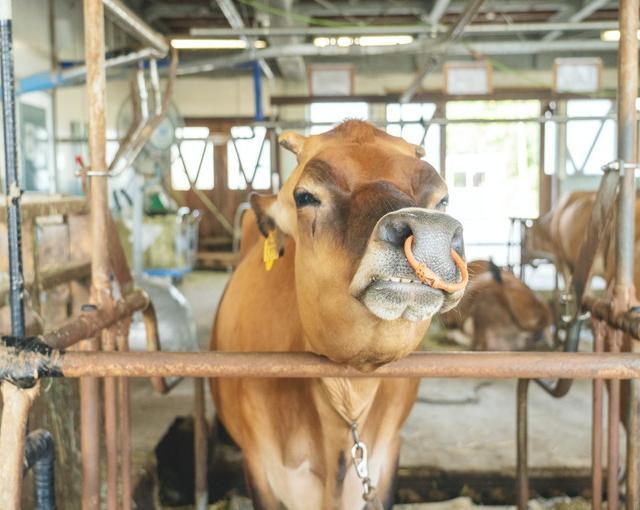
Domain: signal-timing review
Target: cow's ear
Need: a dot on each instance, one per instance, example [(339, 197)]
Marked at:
[(292, 141)]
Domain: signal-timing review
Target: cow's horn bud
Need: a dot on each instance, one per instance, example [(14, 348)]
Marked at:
[(420, 151), (293, 142)]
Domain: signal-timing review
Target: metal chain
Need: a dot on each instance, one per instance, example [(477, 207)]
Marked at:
[(361, 465)]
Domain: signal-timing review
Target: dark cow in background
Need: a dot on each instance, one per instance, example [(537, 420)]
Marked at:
[(498, 311), (332, 278)]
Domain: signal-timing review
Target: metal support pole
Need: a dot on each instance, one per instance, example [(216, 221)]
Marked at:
[(125, 421), (100, 286), (613, 443), (257, 91), (111, 425), (523, 444), (13, 191), (624, 291), (201, 496), (599, 330)]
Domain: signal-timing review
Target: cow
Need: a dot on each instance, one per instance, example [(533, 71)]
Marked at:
[(560, 233), (498, 311), (329, 276)]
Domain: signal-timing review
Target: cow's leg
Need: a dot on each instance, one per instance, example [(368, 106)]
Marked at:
[(262, 496), (387, 488)]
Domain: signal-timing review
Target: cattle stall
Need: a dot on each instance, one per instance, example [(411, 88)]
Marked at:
[(90, 341)]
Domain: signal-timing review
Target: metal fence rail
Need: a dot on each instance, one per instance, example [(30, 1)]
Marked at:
[(103, 332)]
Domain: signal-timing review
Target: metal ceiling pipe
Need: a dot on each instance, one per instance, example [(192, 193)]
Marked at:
[(230, 12), (484, 28), (47, 81), (129, 21), (309, 50), (454, 33)]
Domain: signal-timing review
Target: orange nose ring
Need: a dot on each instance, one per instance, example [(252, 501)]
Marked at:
[(428, 277)]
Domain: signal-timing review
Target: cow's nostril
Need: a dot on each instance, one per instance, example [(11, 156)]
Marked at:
[(395, 232), (457, 242)]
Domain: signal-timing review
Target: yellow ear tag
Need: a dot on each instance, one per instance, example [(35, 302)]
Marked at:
[(270, 251)]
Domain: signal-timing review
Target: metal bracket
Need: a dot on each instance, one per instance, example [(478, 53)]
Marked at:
[(24, 360), (618, 164)]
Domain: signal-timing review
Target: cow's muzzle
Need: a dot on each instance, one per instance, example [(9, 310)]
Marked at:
[(387, 284), (435, 236)]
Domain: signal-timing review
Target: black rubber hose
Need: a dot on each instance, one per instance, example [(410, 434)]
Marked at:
[(39, 455)]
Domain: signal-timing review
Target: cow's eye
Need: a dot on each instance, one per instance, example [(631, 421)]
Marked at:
[(443, 203), (303, 198)]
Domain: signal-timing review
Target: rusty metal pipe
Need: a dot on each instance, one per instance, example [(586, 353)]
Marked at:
[(201, 496), (150, 321), (596, 422), (111, 425), (494, 365), (15, 412), (89, 432), (88, 324), (624, 291), (125, 422), (523, 444), (613, 443), (100, 284)]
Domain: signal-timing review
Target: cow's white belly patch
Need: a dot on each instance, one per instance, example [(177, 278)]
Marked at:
[(298, 488), (301, 489)]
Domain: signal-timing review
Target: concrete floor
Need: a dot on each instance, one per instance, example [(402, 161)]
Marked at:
[(456, 425)]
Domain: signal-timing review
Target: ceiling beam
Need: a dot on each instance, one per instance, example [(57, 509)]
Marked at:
[(367, 8), (454, 33), (230, 12), (293, 68), (509, 47), (437, 11), (478, 29), (587, 9)]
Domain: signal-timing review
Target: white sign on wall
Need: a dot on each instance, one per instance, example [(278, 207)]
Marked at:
[(577, 74), (466, 78), (331, 80)]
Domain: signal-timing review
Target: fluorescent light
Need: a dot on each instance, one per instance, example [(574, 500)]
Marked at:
[(612, 35), (365, 40), (344, 41), (214, 44), (384, 40), (322, 42)]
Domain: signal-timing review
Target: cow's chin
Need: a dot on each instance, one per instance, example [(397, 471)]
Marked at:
[(393, 298)]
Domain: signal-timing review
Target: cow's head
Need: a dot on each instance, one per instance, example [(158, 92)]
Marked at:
[(352, 201)]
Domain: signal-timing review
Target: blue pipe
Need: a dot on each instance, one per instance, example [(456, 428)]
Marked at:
[(257, 90), (39, 81)]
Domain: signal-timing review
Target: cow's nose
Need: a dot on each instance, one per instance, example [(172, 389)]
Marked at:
[(435, 235)]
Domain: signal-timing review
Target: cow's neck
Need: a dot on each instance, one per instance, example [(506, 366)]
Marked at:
[(351, 399)]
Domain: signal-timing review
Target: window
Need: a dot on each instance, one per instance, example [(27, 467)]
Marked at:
[(192, 159), (324, 116), (591, 143), (409, 121), (254, 165)]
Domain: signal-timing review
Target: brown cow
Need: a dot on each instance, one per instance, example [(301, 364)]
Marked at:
[(342, 288), (558, 234), (561, 231), (498, 311)]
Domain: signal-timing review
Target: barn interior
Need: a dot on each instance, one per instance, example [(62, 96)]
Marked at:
[(517, 104)]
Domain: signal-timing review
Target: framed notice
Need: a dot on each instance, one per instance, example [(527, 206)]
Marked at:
[(467, 78), (330, 80), (577, 74)]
